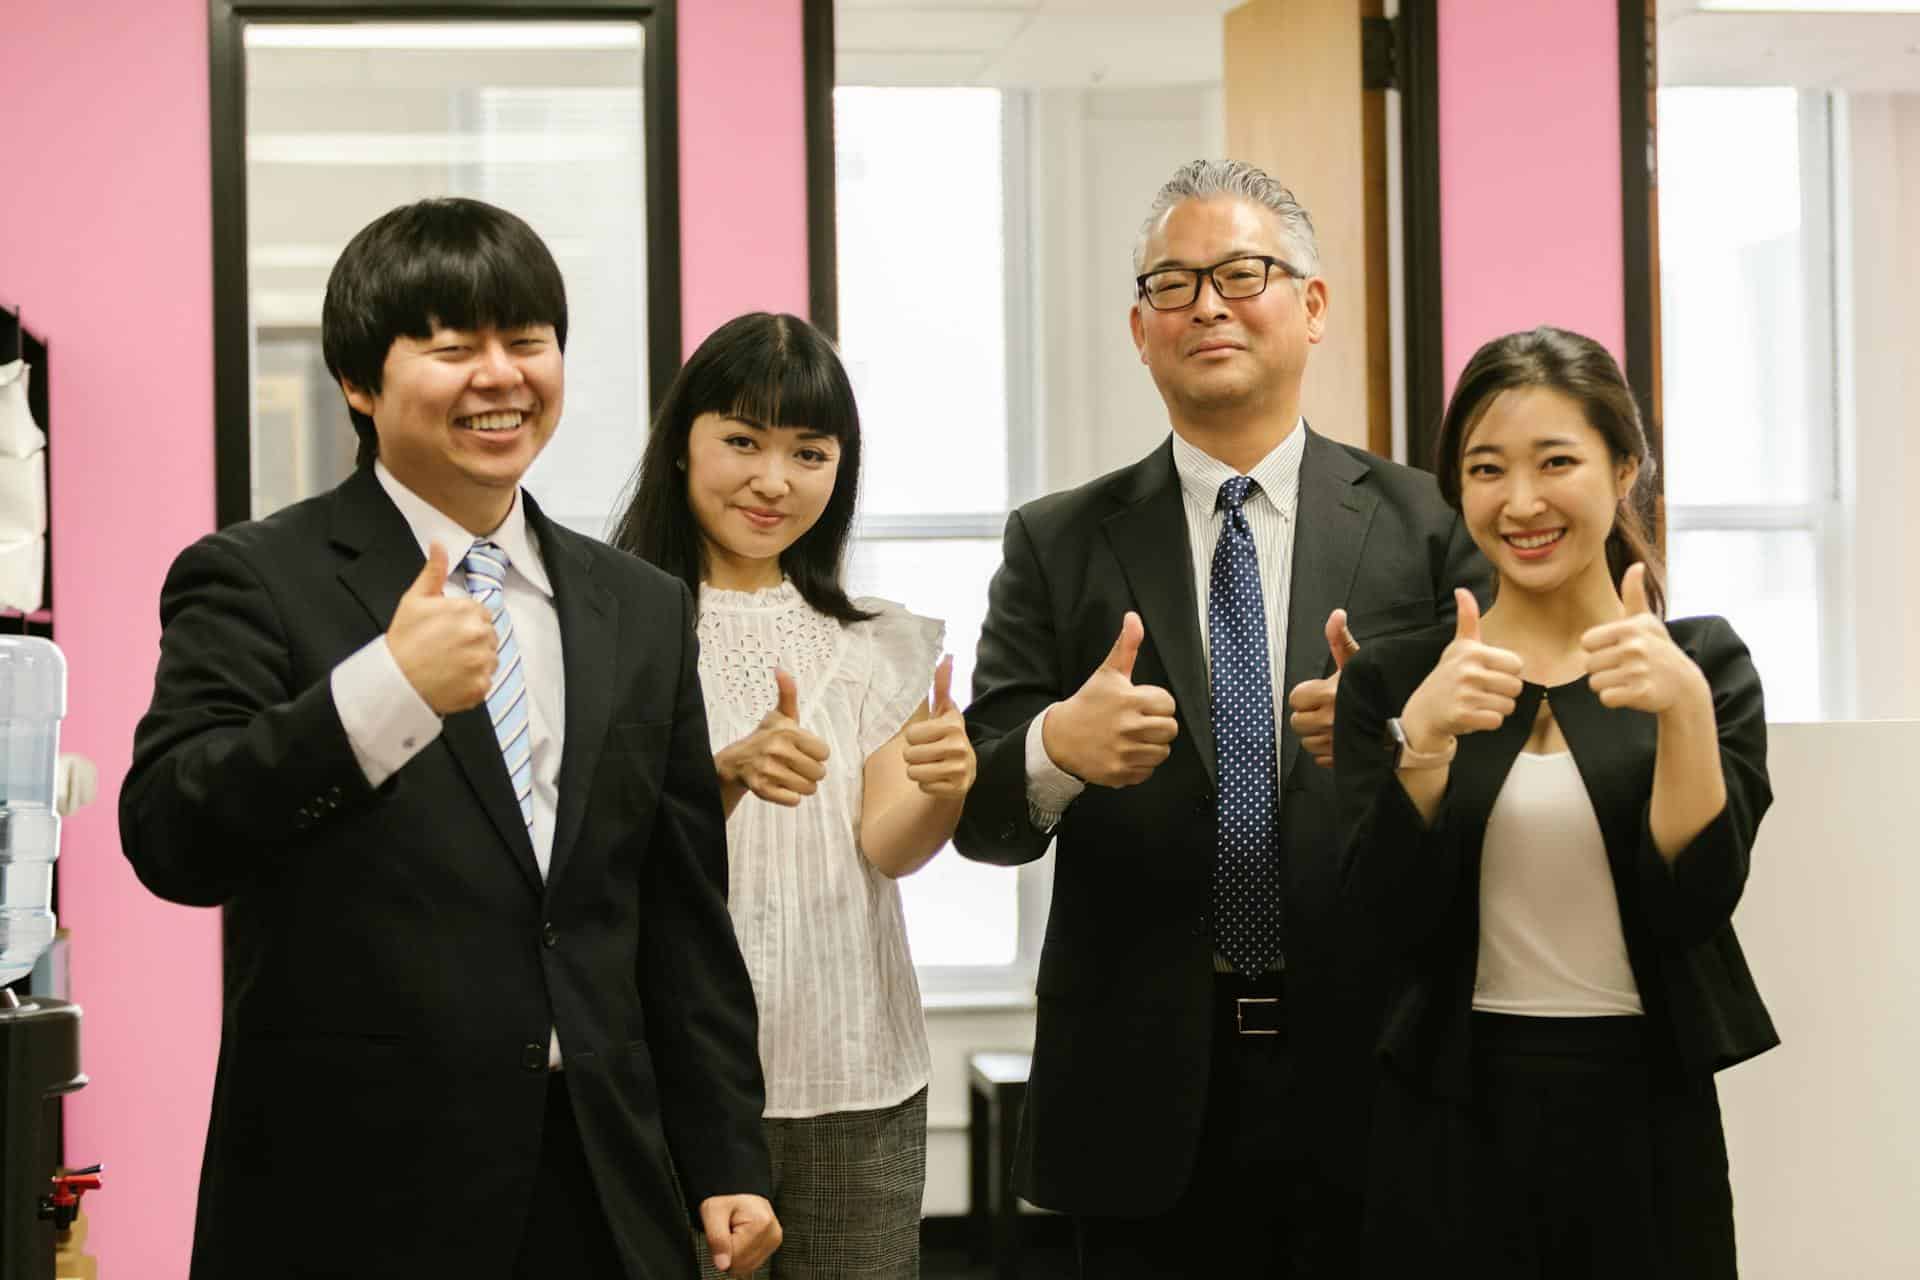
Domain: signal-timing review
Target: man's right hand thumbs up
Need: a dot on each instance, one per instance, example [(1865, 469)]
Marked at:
[(444, 645), (1126, 647), (1112, 731)]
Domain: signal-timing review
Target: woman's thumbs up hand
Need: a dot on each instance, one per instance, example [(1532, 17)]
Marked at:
[(1472, 689), (1634, 663)]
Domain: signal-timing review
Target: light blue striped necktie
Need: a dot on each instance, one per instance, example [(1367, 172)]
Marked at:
[(486, 568)]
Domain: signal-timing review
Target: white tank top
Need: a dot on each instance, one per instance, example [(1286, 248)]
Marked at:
[(1551, 945)]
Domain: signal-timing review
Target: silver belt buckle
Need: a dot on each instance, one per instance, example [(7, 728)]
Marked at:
[(1240, 1014)]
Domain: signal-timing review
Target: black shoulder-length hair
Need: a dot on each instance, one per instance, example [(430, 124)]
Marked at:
[(1583, 370), (776, 369), (449, 260)]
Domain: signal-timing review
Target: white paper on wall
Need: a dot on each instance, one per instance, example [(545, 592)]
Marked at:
[(23, 496), (19, 436), (23, 566)]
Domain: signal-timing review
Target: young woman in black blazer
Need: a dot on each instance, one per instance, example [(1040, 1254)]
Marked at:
[(1550, 811)]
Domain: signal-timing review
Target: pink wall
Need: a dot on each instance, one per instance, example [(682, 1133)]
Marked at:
[(1529, 171), (105, 241), (743, 162)]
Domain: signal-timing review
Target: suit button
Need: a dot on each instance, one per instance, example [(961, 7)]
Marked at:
[(549, 936), (333, 794), (533, 1057)]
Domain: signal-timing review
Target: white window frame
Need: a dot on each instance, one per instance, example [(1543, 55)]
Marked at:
[(1827, 514), (964, 985)]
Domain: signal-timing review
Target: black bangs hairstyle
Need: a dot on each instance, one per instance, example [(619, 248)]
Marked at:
[(1577, 367), (455, 262), (773, 369)]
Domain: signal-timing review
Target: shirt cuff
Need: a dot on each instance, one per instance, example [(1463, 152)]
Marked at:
[(1050, 789), (387, 721)]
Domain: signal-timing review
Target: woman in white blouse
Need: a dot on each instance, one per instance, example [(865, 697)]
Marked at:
[(839, 771)]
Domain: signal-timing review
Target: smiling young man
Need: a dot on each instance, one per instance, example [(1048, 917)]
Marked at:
[(445, 765), (1201, 1064)]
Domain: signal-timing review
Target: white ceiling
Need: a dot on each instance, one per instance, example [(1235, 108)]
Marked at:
[(1862, 52), (1029, 43)]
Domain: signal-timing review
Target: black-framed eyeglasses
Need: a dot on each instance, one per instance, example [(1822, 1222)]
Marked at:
[(1176, 288)]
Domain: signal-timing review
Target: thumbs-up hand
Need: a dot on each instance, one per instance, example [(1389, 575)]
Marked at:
[(779, 761), (938, 754), (1470, 690), (1634, 662), (1312, 700), (444, 645), (1112, 731)]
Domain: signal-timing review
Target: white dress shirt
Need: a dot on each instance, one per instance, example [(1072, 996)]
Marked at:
[(388, 723), (1270, 517)]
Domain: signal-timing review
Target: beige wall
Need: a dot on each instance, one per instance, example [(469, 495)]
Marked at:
[(1296, 108), (1823, 1133)]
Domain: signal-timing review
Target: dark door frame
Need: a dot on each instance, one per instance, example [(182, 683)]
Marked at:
[(823, 262), (227, 22)]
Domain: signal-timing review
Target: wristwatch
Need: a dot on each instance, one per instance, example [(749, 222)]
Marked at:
[(1405, 757)]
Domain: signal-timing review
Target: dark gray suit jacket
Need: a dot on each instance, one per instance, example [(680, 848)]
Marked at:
[(1118, 1090)]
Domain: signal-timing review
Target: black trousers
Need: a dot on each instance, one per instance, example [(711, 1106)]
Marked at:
[(1582, 1165), (566, 1232), (1239, 1214)]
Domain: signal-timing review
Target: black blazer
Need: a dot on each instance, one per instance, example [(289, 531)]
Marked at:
[(1115, 1102), (393, 960), (1415, 890)]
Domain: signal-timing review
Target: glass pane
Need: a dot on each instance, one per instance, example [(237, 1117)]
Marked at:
[(1734, 298), (347, 121), (1763, 582), (958, 912), (923, 293)]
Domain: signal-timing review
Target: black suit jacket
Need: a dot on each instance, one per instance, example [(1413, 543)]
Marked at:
[(1117, 1095), (1414, 891), (393, 959)]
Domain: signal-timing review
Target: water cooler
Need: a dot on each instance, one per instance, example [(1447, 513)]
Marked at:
[(39, 1035)]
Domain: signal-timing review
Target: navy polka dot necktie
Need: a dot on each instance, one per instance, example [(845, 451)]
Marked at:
[(1246, 897)]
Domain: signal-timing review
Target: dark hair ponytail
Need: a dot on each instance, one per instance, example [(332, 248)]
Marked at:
[(1582, 369)]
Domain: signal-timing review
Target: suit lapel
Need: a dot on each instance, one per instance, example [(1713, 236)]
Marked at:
[(1149, 537), (588, 617), (1331, 517), (1614, 751), (385, 561)]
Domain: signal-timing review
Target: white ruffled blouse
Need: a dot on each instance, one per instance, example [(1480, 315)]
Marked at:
[(823, 933)]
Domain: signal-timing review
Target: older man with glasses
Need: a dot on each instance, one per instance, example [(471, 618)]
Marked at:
[(1202, 1062)]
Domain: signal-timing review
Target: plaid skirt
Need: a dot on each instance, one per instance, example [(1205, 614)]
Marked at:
[(847, 1188)]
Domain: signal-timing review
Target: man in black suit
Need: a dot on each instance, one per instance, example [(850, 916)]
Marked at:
[(1201, 1063), (445, 764)]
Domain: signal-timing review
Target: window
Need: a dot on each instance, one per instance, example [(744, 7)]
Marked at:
[(346, 121), (932, 295), (1755, 518)]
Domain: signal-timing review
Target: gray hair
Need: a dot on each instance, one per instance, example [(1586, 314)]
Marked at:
[(1201, 179)]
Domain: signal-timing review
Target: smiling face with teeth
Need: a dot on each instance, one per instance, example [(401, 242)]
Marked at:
[(462, 413), (1540, 491)]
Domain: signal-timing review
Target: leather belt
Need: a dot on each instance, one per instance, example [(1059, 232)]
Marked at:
[(1253, 1006)]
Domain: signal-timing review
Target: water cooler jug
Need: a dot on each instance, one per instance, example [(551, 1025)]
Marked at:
[(39, 1036)]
